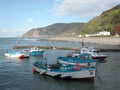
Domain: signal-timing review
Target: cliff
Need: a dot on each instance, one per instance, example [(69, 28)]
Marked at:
[(57, 29)]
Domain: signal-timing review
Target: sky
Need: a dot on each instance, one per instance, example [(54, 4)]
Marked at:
[(19, 16)]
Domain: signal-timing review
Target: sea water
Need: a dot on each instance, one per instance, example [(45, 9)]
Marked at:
[(16, 74)]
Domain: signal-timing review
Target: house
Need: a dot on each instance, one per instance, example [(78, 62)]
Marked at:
[(103, 33)]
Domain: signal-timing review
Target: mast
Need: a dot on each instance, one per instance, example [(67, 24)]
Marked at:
[(17, 41), (82, 42)]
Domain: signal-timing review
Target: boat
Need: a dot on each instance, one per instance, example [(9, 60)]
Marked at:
[(64, 71), (14, 54), (93, 52), (82, 59), (25, 54), (36, 51), (17, 54), (88, 50)]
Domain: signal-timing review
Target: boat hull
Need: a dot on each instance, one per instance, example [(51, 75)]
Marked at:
[(36, 53), (85, 74), (15, 54), (86, 64), (24, 56), (99, 57), (84, 61)]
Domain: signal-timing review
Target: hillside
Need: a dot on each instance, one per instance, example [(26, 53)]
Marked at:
[(57, 29), (107, 21)]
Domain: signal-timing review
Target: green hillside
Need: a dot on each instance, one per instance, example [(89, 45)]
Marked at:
[(105, 22)]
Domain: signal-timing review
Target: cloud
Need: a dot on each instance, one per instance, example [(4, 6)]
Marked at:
[(84, 8), (30, 20), (12, 32), (4, 30)]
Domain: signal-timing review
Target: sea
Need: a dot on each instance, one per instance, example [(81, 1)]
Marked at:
[(16, 74)]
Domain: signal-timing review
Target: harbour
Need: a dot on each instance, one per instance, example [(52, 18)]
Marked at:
[(16, 74), (60, 45), (66, 48)]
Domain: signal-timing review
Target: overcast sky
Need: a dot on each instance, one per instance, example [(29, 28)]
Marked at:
[(18, 16)]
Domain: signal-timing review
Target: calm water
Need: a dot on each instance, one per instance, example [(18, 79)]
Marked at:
[(17, 74)]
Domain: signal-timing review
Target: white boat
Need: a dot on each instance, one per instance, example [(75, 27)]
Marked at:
[(64, 71), (88, 50), (17, 54), (93, 52), (14, 54), (36, 51)]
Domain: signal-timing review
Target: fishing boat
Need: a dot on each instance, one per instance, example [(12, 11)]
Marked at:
[(64, 71), (83, 60), (93, 52), (88, 50), (17, 54), (36, 51), (14, 54)]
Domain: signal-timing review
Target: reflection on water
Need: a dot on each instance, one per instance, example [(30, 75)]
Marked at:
[(59, 84)]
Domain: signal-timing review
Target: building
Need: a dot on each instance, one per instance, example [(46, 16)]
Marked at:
[(103, 33)]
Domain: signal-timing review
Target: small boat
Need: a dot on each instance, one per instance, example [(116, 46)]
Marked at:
[(17, 54), (93, 52), (83, 59), (64, 71), (14, 54), (88, 50), (36, 51)]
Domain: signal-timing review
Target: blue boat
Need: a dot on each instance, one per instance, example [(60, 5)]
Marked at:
[(83, 60), (36, 51), (64, 71)]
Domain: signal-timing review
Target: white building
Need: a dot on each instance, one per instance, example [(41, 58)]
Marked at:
[(103, 33)]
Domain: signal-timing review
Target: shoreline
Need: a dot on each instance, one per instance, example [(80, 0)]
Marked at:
[(100, 43), (99, 40)]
